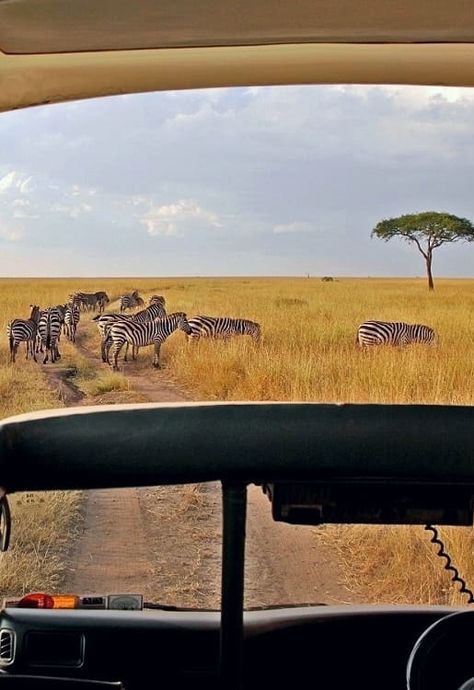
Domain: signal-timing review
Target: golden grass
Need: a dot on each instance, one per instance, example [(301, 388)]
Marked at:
[(42, 536), (395, 564), (307, 353)]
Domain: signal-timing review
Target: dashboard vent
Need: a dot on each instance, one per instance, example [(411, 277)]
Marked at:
[(7, 644)]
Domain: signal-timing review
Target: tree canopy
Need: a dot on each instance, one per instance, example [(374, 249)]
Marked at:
[(428, 231)]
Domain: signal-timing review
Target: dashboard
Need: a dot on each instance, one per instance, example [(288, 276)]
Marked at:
[(366, 647)]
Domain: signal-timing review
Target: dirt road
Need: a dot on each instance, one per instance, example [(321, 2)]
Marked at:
[(165, 541)]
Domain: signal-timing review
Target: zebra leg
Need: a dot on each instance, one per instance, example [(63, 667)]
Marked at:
[(105, 349), (13, 351), (126, 353), (156, 356), (117, 348)]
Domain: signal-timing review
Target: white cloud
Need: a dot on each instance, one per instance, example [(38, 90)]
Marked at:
[(15, 181), (414, 97), (173, 219), (71, 210), (291, 228)]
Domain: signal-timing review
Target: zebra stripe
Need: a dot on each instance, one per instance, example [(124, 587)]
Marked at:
[(90, 300), (105, 321), (49, 331), (144, 334), (23, 331), (155, 310), (223, 327), (131, 300), (71, 319), (394, 333)]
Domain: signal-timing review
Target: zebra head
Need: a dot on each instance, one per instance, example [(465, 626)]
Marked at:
[(254, 330), (35, 313), (157, 299), (181, 320)]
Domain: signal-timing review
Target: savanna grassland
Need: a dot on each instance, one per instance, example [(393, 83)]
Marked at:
[(308, 353)]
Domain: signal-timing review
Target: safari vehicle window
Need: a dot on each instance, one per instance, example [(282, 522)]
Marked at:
[(271, 244)]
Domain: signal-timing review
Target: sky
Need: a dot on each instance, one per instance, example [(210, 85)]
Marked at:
[(284, 181)]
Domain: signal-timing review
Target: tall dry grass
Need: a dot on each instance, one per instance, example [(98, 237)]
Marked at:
[(43, 533), (308, 353)]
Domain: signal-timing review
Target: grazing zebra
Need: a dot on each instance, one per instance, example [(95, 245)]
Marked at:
[(90, 300), (223, 327), (131, 300), (71, 319), (143, 334), (49, 330), (105, 321), (394, 333), (86, 300), (24, 331)]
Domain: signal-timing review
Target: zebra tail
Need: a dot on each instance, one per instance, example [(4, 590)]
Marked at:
[(11, 342)]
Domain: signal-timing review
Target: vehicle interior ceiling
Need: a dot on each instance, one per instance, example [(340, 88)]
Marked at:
[(317, 463)]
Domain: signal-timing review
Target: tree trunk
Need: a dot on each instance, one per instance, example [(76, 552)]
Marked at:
[(429, 260)]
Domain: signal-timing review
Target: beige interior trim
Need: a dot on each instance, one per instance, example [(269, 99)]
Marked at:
[(27, 80)]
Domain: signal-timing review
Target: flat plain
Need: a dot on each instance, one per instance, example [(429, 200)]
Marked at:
[(308, 353)]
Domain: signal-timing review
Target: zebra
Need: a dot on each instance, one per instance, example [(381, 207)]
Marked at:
[(49, 330), (131, 300), (24, 331), (60, 311), (143, 334), (71, 319), (394, 333), (90, 300), (157, 298), (223, 327), (86, 300), (102, 300), (105, 321)]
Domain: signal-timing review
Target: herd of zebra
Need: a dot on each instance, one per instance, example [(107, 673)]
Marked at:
[(42, 330), (152, 325)]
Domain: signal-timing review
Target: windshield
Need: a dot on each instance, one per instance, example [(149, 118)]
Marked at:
[(302, 244)]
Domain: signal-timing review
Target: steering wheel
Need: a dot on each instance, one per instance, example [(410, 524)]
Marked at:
[(442, 657)]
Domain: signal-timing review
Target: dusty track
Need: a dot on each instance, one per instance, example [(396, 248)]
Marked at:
[(165, 541)]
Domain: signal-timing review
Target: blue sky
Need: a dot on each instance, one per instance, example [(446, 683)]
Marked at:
[(259, 181)]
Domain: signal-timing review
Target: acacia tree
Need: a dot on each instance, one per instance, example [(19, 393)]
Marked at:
[(428, 230)]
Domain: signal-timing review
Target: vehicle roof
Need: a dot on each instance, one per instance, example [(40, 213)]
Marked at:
[(53, 51)]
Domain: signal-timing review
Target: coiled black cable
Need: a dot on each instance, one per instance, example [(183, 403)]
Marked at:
[(455, 577)]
